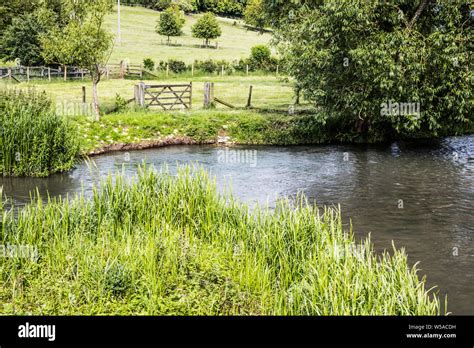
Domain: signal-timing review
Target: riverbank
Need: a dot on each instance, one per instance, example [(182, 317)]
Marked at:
[(146, 129)]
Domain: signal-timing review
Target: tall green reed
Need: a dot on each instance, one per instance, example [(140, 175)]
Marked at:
[(34, 141), (172, 245)]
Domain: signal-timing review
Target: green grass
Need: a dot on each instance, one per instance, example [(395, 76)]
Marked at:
[(34, 141), (171, 245), (139, 39)]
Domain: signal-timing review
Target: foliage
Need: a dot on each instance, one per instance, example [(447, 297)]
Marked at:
[(351, 60), (171, 22), (20, 40), (167, 244), (183, 5), (149, 64), (207, 27), (83, 41), (120, 103), (34, 141), (255, 16)]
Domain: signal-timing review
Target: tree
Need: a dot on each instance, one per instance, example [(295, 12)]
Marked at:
[(21, 40), (171, 22), (82, 42), (207, 27), (352, 60), (255, 16)]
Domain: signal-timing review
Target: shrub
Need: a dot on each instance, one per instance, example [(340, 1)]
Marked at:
[(208, 66), (177, 66), (149, 64), (34, 140), (120, 102)]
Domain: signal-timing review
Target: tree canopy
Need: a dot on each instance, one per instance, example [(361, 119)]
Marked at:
[(207, 27), (171, 22), (352, 58)]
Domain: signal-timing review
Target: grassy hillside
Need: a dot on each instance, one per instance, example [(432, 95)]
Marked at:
[(140, 40)]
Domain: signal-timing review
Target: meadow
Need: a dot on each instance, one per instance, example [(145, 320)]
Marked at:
[(171, 245), (139, 39)]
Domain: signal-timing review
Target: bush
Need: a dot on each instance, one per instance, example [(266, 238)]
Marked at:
[(177, 66), (34, 140), (208, 66), (149, 64)]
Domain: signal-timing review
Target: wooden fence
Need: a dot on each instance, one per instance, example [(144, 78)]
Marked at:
[(27, 73), (165, 96)]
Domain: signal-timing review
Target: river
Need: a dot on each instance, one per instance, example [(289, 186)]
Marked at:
[(420, 195)]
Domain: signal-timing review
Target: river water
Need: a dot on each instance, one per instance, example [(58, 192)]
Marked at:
[(420, 195)]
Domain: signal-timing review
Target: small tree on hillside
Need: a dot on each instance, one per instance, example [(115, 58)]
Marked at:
[(255, 16), (171, 22), (82, 41), (207, 28)]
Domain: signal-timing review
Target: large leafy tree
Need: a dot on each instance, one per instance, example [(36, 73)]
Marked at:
[(171, 22), (207, 27), (350, 58), (83, 41)]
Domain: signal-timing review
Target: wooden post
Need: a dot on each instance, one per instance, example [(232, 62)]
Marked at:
[(167, 70), (65, 73), (49, 74), (82, 74), (28, 73), (84, 99), (249, 101), (247, 70), (190, 94), (142, 94), (222, 71), (192, 69), (208, 95), (10, 74), (277, 69)]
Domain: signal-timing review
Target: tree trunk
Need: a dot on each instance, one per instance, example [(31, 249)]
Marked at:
[(95, 100), (207, 43)]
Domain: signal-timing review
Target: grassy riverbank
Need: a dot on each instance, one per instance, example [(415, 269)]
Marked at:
[(172, 245)]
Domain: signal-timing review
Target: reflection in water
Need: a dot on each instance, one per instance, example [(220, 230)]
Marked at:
[(434, 182)]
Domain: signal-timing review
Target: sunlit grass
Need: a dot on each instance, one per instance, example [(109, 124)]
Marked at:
[(139, 39), (165, 244)]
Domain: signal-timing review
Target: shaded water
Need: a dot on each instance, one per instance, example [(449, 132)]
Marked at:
[(418, 195)]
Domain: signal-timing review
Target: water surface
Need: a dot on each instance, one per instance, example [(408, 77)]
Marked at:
[(418, 195)]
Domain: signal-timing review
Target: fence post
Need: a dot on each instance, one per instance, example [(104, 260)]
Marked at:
[(10, 74), (277, 69), (142, 94), (249, 101), (190, 94), (49, 74), (167, 70), (65, 73), (247, 70), (82, 74), (28, 73), (222, 71), (208, 95), (192, 69), (84, 99)]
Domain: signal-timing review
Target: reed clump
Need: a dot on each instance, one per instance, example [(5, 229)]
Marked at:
[(165, 244), (34, 140)]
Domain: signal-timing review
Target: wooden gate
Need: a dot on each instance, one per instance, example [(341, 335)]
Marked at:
[(165, 96)]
